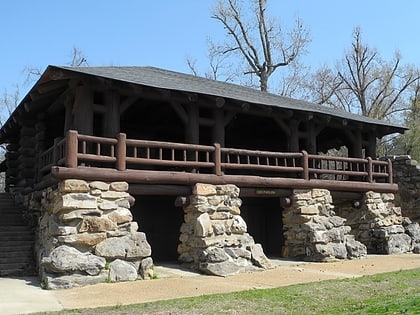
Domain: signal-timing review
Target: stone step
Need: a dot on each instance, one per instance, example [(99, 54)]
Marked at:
[(27, 252), (16, 249), (11, 236), (15, 269), (11, 219), (14, 272), (18, 243), (15, 228), (16, 260)]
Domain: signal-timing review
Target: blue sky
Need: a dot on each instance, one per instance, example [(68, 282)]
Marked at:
[(162, 33)]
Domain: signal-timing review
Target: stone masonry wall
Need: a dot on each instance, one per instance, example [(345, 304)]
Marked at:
[(86, 235), (314, 232), (407, 176), (214, 236), (379, 225)]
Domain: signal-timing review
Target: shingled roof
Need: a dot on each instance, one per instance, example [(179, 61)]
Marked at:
[(160, 78), (170, 80)]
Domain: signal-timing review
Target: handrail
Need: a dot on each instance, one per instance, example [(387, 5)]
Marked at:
[(120, 152)]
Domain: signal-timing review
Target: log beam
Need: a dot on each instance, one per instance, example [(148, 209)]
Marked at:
[(182, 178)]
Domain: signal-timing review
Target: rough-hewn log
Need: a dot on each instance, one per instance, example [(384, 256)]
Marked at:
[(112, 114), (83, 110), (159, 190), (182, 178)]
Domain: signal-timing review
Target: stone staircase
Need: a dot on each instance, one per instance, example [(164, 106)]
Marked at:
[(16, 240)]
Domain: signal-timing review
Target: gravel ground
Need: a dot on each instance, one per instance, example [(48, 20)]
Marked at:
[(173, 282)]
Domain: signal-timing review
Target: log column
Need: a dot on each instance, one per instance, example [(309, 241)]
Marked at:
[(219, 127), (371, 145), (83, 110), (112, 114), (192, 128)]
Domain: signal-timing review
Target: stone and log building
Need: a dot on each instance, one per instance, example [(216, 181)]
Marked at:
[(118, 167)]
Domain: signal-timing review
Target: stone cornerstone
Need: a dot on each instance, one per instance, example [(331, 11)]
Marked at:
[(214, 236), (86, 235), (314, 232)]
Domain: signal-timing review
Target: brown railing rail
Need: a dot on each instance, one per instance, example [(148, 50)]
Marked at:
[(121, 153)]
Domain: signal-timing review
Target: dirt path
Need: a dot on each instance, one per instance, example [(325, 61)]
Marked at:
[(174, 282)]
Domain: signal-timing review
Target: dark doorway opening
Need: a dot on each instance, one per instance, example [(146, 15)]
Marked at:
[(158, 217), (263, 217)]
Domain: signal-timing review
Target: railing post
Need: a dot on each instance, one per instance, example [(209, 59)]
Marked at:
[(71, 148), (390, 172), (370, 170), (305, 164), (121, 152), (217, 159)]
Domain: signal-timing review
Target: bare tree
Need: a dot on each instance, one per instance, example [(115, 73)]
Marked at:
[(366, 84), (219, 66), (8, 103), (78, 58), (260, 43)]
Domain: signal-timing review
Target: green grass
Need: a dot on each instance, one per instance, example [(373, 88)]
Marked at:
[(388, 293)]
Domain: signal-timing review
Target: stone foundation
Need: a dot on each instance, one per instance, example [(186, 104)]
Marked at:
[(314, 232), (86, 235), (407, 176), (379, 224), (214, 236)]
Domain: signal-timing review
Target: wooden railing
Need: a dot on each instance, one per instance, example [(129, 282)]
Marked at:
[(121, 153)]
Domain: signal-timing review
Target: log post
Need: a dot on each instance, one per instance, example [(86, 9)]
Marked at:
[(305, 164), (83, 110), (219, 126), (121, 152), (71, 148), (217, 159), (112, 114), (390, 172), (370, 170)]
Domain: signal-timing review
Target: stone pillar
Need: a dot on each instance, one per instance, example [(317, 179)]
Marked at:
[(381, 227), (214, 236), (407, 176), (314, 232), (87, 235)]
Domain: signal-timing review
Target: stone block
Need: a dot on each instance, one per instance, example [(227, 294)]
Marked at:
[(97, 185), (107, 205), (66, 259), (78, 214), (120, 270), (73, 186), (146, 268), (228, 190), (308, 210), (54, 282), (129, 247), (112, 195), (203, 226), (96, 224), (213, 255), (355, 249), (398, 243), (120, 216), (258, 257), (82, 239), (204, 189), (119, 186), (73, 201), (222, 269), (238, 225)]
